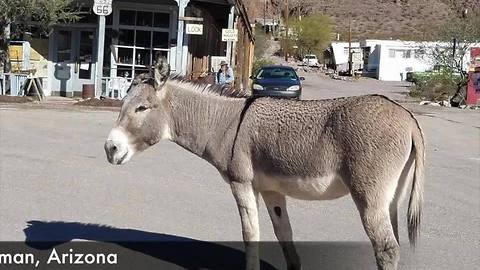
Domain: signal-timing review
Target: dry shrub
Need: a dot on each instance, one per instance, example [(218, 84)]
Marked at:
[(439, 86)]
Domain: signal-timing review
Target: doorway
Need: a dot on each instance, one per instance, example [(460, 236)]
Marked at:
[(75, 58)]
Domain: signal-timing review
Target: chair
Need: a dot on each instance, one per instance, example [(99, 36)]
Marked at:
[(117, 87)]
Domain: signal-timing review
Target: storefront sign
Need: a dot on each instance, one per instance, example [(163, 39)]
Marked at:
[(194, 29), (102, 7), (229, 34)]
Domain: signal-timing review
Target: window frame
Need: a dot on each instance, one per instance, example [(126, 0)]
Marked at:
[(133, 66)]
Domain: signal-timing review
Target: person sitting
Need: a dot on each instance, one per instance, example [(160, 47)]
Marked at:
[(224, 75)]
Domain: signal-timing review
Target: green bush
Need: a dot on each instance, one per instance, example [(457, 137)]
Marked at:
[(258, 63), (437, 87)]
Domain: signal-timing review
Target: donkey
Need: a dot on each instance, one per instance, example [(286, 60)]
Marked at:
[(368, 146)]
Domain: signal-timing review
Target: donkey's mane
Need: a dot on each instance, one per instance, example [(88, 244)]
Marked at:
[(204, 88)]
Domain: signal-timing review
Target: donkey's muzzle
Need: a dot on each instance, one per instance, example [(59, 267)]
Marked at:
[(116, 153), (111, 149), (117, 147)]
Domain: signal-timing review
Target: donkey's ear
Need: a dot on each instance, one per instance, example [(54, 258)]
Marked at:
[(161, 72)]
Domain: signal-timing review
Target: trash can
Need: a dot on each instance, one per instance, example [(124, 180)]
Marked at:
[(88, 91)]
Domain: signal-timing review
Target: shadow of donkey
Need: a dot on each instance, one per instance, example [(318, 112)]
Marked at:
[(184, 252)]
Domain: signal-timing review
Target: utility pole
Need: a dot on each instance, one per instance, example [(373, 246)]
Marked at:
[(265, 16), (298, 11), (350, 64), (285, 49), (454, 48)]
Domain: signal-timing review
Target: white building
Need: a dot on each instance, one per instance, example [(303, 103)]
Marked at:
[(337, 56), (133, 35), (390, 60)]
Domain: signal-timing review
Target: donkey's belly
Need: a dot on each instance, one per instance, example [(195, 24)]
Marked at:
[(327, 187)]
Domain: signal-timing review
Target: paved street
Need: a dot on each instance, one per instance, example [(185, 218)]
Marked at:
[(53, 168)]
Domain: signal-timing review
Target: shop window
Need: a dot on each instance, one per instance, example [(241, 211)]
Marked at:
[(125, 56), (162, 20), (143, 57), (86, 54), (160, 39), (144, 39), (109, 33), (144, 19), (127, 17), (86, 44), (138, 46), (64, 50), (126, 37)]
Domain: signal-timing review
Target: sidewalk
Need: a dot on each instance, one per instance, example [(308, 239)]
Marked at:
[(57, 103)]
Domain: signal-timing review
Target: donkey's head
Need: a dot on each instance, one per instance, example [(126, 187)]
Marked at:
[(143, 119)]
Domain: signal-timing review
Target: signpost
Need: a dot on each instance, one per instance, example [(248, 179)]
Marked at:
[(229, 34), (194, 29), (102, 8)]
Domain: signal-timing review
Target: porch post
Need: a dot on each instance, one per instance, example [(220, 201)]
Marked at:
[(181, 47), (231, 19), (100, 49)]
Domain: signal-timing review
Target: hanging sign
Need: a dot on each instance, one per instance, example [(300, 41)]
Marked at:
[(102, 7), (194, 29), (229, 34)]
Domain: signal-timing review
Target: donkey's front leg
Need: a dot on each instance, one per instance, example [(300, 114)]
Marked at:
[(246, 198), (277, 209)]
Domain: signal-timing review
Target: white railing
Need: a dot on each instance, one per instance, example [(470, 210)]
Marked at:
[(16, 83)]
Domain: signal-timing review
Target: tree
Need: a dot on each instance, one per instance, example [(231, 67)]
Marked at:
[(457, 36), (312, 34), (454, 39), (16, 16)]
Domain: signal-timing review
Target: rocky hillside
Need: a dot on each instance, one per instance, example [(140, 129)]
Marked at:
[(407, 19)]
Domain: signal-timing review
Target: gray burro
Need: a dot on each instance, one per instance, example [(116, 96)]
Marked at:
[(366, 146)]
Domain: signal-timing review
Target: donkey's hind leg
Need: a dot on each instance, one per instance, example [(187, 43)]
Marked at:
[(377, 224), (277, 209)]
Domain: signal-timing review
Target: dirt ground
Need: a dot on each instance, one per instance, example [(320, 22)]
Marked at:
[(104, 102), (15, 99)]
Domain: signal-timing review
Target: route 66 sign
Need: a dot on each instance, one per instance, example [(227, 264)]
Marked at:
[(102, 7)]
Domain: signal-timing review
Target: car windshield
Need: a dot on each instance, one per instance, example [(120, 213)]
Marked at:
[(310, 57), (276, 73)]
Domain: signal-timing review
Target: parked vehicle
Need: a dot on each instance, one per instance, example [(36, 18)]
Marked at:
[(310, 60), (277, 81)]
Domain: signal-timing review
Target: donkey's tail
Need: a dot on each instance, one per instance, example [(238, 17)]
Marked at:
[(416, 196)]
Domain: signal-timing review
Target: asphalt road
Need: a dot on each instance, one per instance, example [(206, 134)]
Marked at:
[(53, 169)]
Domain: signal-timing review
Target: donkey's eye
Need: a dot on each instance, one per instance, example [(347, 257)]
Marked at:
[(141, 108)]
